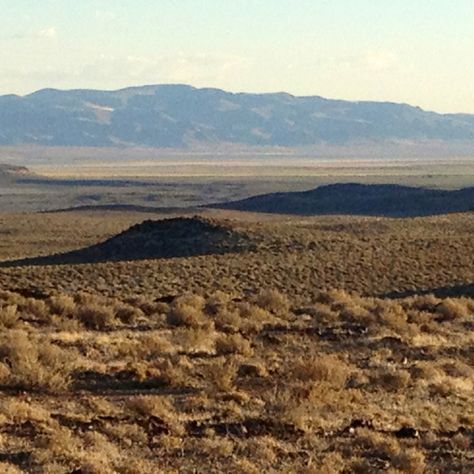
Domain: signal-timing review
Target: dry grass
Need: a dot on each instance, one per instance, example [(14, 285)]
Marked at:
[(298, 256), (251, 363), (307, 391)]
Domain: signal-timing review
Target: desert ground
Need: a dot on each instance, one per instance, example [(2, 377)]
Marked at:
[(328, 344), (170, 337), (63, 177)]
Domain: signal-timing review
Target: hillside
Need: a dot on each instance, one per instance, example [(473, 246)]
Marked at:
[(360, 199), (179, 116), (176, 237)]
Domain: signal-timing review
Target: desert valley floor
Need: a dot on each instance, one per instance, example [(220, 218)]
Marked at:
[(289, 344)]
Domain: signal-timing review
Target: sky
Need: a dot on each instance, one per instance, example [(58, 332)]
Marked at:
[(419, 52)]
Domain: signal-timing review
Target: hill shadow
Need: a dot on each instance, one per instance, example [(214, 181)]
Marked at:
[(359, 199), (177, 237), (456, 291)]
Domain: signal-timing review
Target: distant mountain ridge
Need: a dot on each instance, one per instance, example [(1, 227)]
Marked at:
[(180, 116), (360, 199)]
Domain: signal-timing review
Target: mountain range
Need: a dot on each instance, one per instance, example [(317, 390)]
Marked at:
[(180, 116)]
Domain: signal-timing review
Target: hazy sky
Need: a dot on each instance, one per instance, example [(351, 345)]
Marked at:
[(415, 51)]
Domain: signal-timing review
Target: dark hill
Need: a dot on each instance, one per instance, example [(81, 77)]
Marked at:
[(178, 237), (360, 199), (181, 116)]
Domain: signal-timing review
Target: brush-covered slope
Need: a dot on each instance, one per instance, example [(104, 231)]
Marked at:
[(179, 116), (360, 199), (177, 237)]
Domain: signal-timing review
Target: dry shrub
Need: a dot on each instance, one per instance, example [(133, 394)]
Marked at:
[(16, 411), (66, 324), (34, 363), (171, 371), (253, 369), (263, 449), (419, 317), (160, 308), (8, 468), (148, 307), (233, 344), (126, 434), (273, 301), (82, 298), (187, 311), (154, 345), (222, 376), (252, 317), (62, 305), (194, 340), (9, 317), (361, 466), (243, 465), (36, 308), (251, 311), (392, 314), (457, 368), (227, 320), (146, 347), (95, 316), (138, 466), (356, 313), (298, 414), (151, 405), (451, 309), (171, 443), (102, 456), (217, 302), (423, 303), (377, 444), (332, 463), (128, 314), (215, 447), (411, 461), (425, 371), (390, 379), (324, 368), (334, 297), (9, 297), (321, 312), (461, 441), (159, 407)]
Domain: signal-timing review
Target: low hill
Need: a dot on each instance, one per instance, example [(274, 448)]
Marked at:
[(11, 173), (180, 116), (177, 237), (360, 199)]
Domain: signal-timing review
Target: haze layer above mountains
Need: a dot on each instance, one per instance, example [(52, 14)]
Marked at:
[(181, 116)]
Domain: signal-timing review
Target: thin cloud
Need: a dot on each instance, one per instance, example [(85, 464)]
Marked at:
[(200, 69), (50, 32), (381, 61), (373, 61)]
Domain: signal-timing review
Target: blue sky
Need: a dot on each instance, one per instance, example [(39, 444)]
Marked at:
[(418, 51)]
